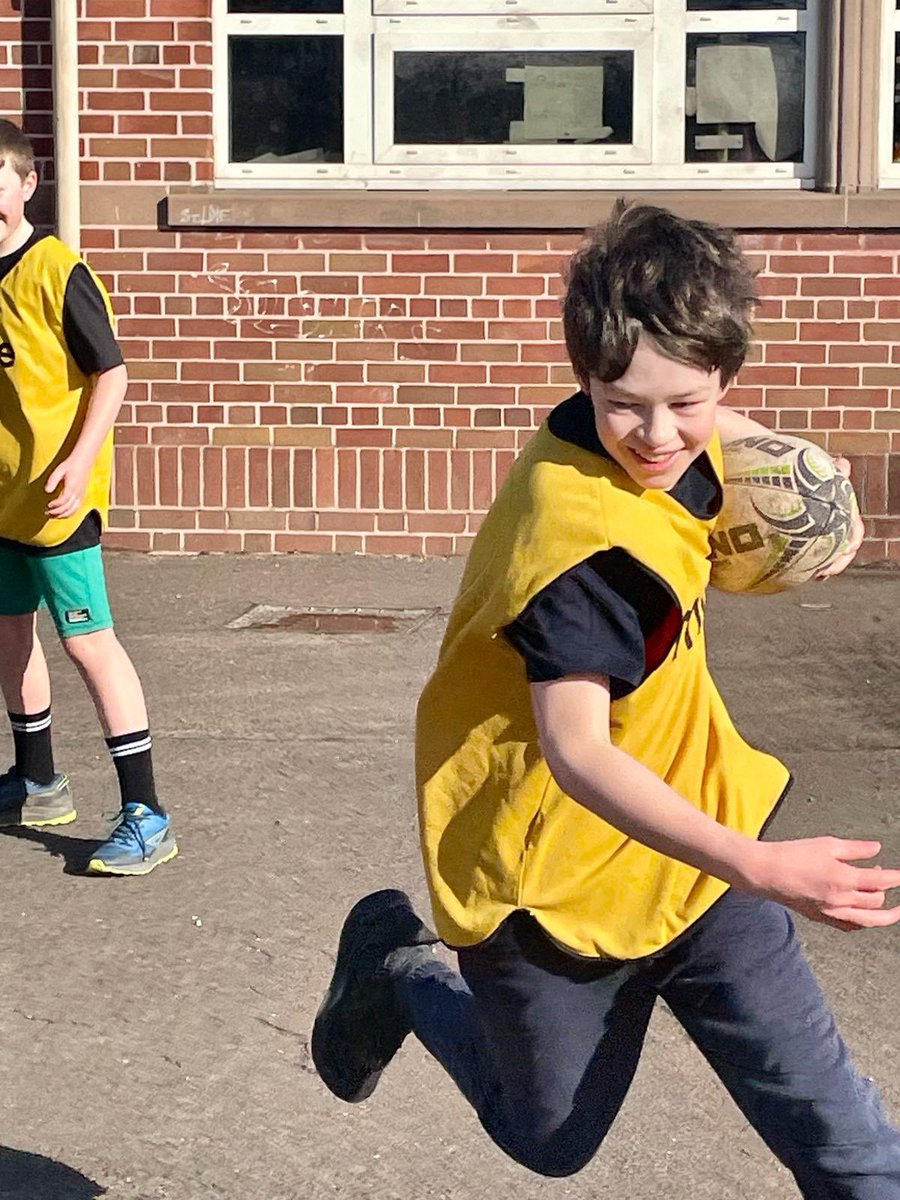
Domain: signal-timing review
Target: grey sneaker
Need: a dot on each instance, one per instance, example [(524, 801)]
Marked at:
[(33, 804), (359, 1026)]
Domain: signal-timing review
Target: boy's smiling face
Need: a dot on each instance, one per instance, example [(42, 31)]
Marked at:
[(658, 417), (14, 192)]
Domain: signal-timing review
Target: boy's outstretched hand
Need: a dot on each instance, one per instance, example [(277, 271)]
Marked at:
[(816, 877)]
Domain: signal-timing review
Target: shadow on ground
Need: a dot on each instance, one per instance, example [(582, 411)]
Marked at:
[(25, 1176), (75, 852)]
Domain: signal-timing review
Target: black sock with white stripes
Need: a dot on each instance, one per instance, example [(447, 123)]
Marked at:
[(131, 754), (34, 750)]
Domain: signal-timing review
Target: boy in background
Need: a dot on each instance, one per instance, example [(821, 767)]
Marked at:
[(62, 382), (590, 818)]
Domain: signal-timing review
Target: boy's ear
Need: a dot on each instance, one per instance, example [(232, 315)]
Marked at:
[(29, 184), (584, 384)]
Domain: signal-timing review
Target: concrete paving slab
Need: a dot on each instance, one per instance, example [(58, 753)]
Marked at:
[(155, 1031)]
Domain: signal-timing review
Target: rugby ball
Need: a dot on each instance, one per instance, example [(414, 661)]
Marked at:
[(787, 512)]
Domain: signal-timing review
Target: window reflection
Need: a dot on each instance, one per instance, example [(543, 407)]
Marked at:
[(513, 97), (745, 97), (286, 99)]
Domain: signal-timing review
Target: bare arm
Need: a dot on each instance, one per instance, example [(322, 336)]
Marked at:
[(73, 472), (813, 875)]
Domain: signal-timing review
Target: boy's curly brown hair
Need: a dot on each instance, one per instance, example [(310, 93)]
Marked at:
[(684, 283)]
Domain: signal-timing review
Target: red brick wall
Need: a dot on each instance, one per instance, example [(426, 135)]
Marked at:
[(367, 392)]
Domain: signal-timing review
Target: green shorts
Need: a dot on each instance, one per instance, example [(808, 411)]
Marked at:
[(72, 586)]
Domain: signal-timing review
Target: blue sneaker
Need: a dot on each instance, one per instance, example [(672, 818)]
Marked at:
[(23, 802), (141, 841)]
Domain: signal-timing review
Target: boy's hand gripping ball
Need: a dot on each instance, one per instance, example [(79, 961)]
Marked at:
[(787, 513)]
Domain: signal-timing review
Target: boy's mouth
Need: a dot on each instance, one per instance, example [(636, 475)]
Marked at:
[(655, 462)]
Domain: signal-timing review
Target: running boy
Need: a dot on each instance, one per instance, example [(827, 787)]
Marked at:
[(590, 818), (62, 382)]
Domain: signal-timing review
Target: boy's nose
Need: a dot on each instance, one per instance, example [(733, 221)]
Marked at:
[(658, 428)]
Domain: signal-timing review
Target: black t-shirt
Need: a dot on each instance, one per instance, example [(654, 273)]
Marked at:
[(86, 326), (608, 615), (92, 343)]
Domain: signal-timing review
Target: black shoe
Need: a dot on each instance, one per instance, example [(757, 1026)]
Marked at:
[(359, 1027)]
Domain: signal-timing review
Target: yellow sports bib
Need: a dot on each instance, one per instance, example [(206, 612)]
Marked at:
[(43, 398), (498, 834)]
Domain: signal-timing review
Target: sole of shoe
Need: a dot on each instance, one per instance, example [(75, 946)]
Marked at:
[(325, 1040), (98, 867), (39, 822)]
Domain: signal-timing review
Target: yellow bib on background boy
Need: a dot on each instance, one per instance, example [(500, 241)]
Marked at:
[(43, 398)]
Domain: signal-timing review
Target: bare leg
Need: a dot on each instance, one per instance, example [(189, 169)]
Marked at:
[(111, 679), (24, 678)]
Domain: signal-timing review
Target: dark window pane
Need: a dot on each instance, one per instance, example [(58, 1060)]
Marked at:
[(897, 95), (744, 5), (286, 99), (513, 97), (269, 7), (748, 97)]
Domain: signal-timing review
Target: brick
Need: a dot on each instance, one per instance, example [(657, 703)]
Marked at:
[(484, 352), (484, 264), (858, 353), (829, 376), (831, 285), (302, 436), (830, 331), (330, 329), (393, 544), (241, 437), (881, 376), (878, 286), (881, 331), (805, 397), (212, 543), (775, 352), (864, 264), (859, 443), (432, 439), (454, 285), (339, 261), (870, 397)]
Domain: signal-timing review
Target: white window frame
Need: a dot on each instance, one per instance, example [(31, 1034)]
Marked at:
[(536, 8), (399, 34), (654, 160), (888, 170)]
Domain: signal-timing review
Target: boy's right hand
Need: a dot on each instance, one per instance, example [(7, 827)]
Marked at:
[(816, 877)]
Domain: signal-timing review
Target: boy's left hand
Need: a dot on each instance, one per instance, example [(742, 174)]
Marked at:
[(72, 473), (857, 533)]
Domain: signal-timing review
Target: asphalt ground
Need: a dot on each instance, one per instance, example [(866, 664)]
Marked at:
[(155, 1031)]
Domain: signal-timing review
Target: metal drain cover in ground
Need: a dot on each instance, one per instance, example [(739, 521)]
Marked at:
[(274, 617)]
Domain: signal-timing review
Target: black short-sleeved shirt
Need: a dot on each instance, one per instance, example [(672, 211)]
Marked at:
[(607, 615), (92, 343), (86, 325)]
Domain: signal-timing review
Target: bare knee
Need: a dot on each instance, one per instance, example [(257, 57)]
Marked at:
[(89, 651)]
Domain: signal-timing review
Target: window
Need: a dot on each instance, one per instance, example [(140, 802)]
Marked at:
[(889, 121), (560, 94)]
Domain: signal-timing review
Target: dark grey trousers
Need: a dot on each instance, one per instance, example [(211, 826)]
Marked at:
[(544, 1045)]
